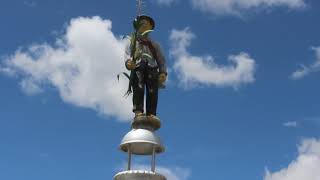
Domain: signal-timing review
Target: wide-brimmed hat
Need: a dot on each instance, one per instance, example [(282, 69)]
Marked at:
[(136, 21)]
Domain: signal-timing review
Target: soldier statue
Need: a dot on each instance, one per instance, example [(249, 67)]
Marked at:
[(148, 68)]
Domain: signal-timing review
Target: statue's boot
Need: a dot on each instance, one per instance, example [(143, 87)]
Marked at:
[(150, 122), (139, 121), (139, 116), (154, 121)]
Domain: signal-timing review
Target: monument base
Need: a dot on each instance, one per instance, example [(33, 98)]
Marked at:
[(139, 175)]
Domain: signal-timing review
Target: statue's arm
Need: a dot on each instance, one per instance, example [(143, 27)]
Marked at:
[(127, 55), (161, 59)]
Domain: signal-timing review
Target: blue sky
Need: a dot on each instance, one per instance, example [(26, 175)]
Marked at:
[(242, 100)]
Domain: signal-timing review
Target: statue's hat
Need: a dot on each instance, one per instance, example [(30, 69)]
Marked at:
[(143, 17)]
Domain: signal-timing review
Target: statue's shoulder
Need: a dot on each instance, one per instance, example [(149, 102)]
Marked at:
[(155, 43)]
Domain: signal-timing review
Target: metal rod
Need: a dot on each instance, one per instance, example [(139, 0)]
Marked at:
[(153, 163), (129, 158), (139, 7)]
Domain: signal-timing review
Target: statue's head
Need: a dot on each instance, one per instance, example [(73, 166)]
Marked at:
[(143, 23)]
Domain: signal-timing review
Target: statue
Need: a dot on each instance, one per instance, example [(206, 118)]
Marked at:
[(148, 69), (148, 73)]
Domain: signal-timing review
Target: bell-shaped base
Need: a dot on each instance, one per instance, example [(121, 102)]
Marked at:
[(141, 142), (139, 175)]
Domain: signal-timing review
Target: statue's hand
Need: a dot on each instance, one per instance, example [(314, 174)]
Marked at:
[(131, 65), (162, 78)]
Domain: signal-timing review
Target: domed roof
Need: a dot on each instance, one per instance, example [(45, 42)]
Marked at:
[(141, 142)]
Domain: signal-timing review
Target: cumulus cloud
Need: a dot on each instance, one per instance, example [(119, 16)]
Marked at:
[(306, 166), (196, 70), (237, 7), (82, 65), (306, 70)]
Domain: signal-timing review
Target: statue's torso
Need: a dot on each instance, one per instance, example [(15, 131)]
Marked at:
[(144, 54)]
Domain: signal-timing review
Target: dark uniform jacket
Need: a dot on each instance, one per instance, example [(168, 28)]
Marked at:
[(148, 51)]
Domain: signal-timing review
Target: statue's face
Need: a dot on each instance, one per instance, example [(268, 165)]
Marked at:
[(145, 25)]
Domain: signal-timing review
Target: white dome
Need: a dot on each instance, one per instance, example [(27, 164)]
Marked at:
[(141, 142)]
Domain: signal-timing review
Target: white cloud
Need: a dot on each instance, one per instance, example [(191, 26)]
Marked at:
[(306, 70), (195, 70), (30, 87), (82, 65), (237, 7), (290, 124), (7, 71), (305, 167)]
